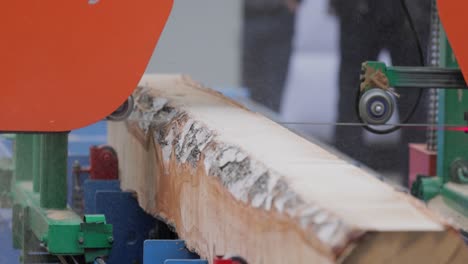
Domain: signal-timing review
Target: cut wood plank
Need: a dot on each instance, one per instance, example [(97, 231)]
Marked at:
[(233, 182)]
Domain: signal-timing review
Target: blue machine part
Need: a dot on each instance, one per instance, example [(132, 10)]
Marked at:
[(131, 225), (7, 253), (169, 251), (6, 146), (92, 187)]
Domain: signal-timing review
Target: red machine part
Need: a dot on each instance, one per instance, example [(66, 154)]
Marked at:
[(223, 261), (104, 164), (421, 162), (233, 260)]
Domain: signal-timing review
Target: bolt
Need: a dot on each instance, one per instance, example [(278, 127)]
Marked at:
[(379, 109), (81, 240), (110, 240)]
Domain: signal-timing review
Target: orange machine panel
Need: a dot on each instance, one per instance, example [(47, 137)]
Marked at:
[(453, 14), (65, 64)]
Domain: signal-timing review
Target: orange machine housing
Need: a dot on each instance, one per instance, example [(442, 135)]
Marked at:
[(67, 64), (453, 16)]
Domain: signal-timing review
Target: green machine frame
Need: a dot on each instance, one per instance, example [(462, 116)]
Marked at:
[(41, 219), (451, 181), (452, 155)]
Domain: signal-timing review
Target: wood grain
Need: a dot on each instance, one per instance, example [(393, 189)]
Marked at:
[(233, 182)]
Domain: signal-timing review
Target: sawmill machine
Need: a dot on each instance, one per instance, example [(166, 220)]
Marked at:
[(69, 64), (444, 79)]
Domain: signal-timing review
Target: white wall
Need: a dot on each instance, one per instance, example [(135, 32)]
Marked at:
[(202, 39)]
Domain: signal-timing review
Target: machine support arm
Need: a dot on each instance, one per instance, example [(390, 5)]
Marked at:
[(376, 103), (378, 75)]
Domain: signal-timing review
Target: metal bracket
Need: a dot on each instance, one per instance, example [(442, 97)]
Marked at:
[(131, 224), (90, 190)]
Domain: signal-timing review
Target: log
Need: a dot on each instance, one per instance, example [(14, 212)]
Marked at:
[(231, 181)]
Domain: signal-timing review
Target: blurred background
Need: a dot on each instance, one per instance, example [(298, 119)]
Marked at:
[(293, 60)]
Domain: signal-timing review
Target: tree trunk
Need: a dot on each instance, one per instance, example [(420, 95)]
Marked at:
[(233, 182)]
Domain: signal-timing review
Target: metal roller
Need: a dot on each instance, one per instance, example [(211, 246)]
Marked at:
[(376, 107), (123, 112)]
